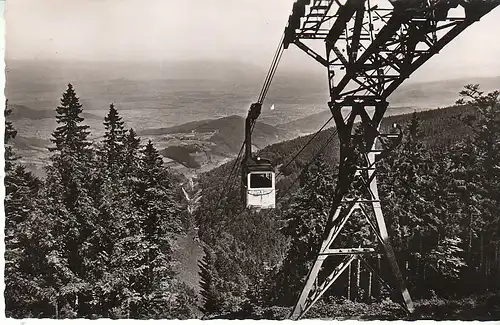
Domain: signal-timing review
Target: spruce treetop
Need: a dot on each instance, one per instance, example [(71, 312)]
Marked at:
[(413, 127), (152, 158), (132, 141), (70, 135), (114, 137), (10, 133), (113, 122)]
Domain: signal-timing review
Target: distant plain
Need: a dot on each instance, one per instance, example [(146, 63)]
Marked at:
[(154, 96)]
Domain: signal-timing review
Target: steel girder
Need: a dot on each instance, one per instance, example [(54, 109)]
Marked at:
[(373, 46), (370, 47)]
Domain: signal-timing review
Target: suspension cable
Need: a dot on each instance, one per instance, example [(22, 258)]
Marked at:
[(231, 185), (272, 70), (304, 169), (328, 141), (303, 147), (265, 88), (233, 167), (228, 178)]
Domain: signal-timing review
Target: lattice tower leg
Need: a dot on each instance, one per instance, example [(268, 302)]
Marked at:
[(348, 200)]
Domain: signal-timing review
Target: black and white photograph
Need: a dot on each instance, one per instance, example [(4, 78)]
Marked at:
[(251, 160)]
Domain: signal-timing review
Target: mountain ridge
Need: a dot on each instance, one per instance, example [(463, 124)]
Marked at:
[(22, 111)]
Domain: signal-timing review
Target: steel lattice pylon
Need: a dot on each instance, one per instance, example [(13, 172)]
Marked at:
[(371, 48)]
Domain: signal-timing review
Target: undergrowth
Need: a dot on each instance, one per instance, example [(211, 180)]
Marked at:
[(482, 307)]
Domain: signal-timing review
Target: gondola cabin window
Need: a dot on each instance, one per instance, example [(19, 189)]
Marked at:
[(261, 180), (260, 190)]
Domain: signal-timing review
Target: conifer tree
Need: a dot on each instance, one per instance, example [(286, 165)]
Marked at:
[(10, 133), (132, 143), (486, 140), (70, 136), (211, 300), (119, 237), (70, 181), (306, 218), (407, 187), (417, 201), (131, 157), (155, 191), (72, 155), (154, 199), (31, 275), (482, 176), (114, 138), (39, 278)]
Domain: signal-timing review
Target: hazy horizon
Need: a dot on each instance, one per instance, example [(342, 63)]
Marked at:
[(227, 65), (245, 31)]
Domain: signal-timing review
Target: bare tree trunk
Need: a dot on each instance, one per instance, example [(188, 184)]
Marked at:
[(349, 283), (370, 277), (417, 268), (470, 240), (379, 270), (76, 304), (419, 259), (487, 264), (358, 278)]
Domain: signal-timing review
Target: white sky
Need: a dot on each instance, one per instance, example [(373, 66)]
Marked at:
[(244, 30)]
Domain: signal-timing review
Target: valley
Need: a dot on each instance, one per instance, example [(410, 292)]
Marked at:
[(194, 113)]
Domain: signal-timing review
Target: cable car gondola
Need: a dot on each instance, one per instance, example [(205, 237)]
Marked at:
[(258, 175)]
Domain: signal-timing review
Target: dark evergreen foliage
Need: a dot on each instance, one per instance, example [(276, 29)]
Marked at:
[(439, 192), (211, 301), (114, 139), (96, 237), (10, 133), (70, 136), (305, 218)]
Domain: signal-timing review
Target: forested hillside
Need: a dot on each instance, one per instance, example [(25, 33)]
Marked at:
[(440, 191), (96, 237), (100, 235)]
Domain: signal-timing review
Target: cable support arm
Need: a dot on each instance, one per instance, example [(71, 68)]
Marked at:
[(256, 107)]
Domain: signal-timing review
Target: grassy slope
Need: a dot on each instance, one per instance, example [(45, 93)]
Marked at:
[(188, 253)]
